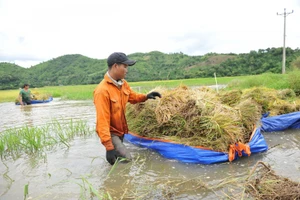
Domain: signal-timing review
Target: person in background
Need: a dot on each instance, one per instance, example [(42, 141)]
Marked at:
[(110, 99), (25, 95)]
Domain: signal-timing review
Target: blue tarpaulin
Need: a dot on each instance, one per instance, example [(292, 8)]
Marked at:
[(39, 101), (189, 154)]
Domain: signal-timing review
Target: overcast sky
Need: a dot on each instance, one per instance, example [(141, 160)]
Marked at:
[(32, 31)]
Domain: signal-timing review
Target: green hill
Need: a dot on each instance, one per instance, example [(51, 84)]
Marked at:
[(11, 75), (79, 70), (68, 70)]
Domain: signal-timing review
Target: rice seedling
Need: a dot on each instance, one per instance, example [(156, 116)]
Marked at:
[(134, 184), (8, 178), (33, 140), (26, 191), (86, 186)]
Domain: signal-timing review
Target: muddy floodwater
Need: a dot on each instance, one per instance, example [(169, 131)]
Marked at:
[(71, 173)]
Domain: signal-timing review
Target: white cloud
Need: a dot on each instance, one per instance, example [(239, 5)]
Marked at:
[(33, 31)]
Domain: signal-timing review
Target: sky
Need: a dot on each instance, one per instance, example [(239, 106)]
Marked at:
[(34, 31)]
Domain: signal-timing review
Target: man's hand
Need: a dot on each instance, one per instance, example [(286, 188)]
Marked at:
[(111, 156), (152, 95)]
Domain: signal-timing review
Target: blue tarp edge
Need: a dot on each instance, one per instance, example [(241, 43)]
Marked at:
[(39, 101)]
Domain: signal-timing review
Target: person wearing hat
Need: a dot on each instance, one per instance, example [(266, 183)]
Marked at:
[(110, 99)]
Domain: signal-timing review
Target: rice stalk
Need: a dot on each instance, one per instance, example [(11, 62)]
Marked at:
[(202, 117), (32, 140)]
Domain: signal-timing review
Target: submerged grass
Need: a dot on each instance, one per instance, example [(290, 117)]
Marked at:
[(259, 183), (263, 183), (31, 140), (133, 185)]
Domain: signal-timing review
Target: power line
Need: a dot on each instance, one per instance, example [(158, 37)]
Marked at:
[(283, 53)]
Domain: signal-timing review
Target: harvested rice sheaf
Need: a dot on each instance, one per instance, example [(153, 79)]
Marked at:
[(250, 112), (202, 117), (261, 95), (231, 97), (286, 94), (276, 102)]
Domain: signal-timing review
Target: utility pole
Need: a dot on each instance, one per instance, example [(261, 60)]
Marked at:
[(283, 49)]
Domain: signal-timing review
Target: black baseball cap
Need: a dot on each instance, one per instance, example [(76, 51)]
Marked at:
[(119, 57)]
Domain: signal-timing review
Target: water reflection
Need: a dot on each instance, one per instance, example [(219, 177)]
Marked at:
[(27, 112)]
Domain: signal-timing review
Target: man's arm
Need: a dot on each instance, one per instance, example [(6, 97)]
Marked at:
[(20, 98), (102, 104), (136, 97), (133, 96)]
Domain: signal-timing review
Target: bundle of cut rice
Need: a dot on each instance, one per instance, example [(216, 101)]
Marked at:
[(202, 117)]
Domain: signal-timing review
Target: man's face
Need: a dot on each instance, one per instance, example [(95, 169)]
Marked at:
[(121, 70), (26, 87)]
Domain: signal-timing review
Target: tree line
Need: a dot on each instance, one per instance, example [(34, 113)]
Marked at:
[(80, 70)]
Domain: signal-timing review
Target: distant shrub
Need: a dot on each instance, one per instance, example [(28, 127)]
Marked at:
[(294, 81)]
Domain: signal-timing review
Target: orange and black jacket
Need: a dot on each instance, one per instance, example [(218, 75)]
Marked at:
[(110, 102)]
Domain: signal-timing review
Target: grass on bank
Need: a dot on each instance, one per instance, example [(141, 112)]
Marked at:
[(290, 80), (85, 92)]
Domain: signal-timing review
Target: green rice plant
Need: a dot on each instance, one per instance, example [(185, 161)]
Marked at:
[(81, 129), (8, 178), (33, 140), (26, 191), (115, 165), (59, 131), (87, 186), (2, 146)]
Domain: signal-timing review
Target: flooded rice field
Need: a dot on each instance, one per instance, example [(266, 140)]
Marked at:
[(80, 171)]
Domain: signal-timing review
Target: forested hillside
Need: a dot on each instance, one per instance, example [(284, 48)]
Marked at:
[(11, 75), (78, 70)]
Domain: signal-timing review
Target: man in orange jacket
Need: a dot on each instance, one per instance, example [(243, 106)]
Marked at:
[(110, 99)]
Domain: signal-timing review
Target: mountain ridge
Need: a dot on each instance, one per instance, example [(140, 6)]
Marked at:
[(77, 69)]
